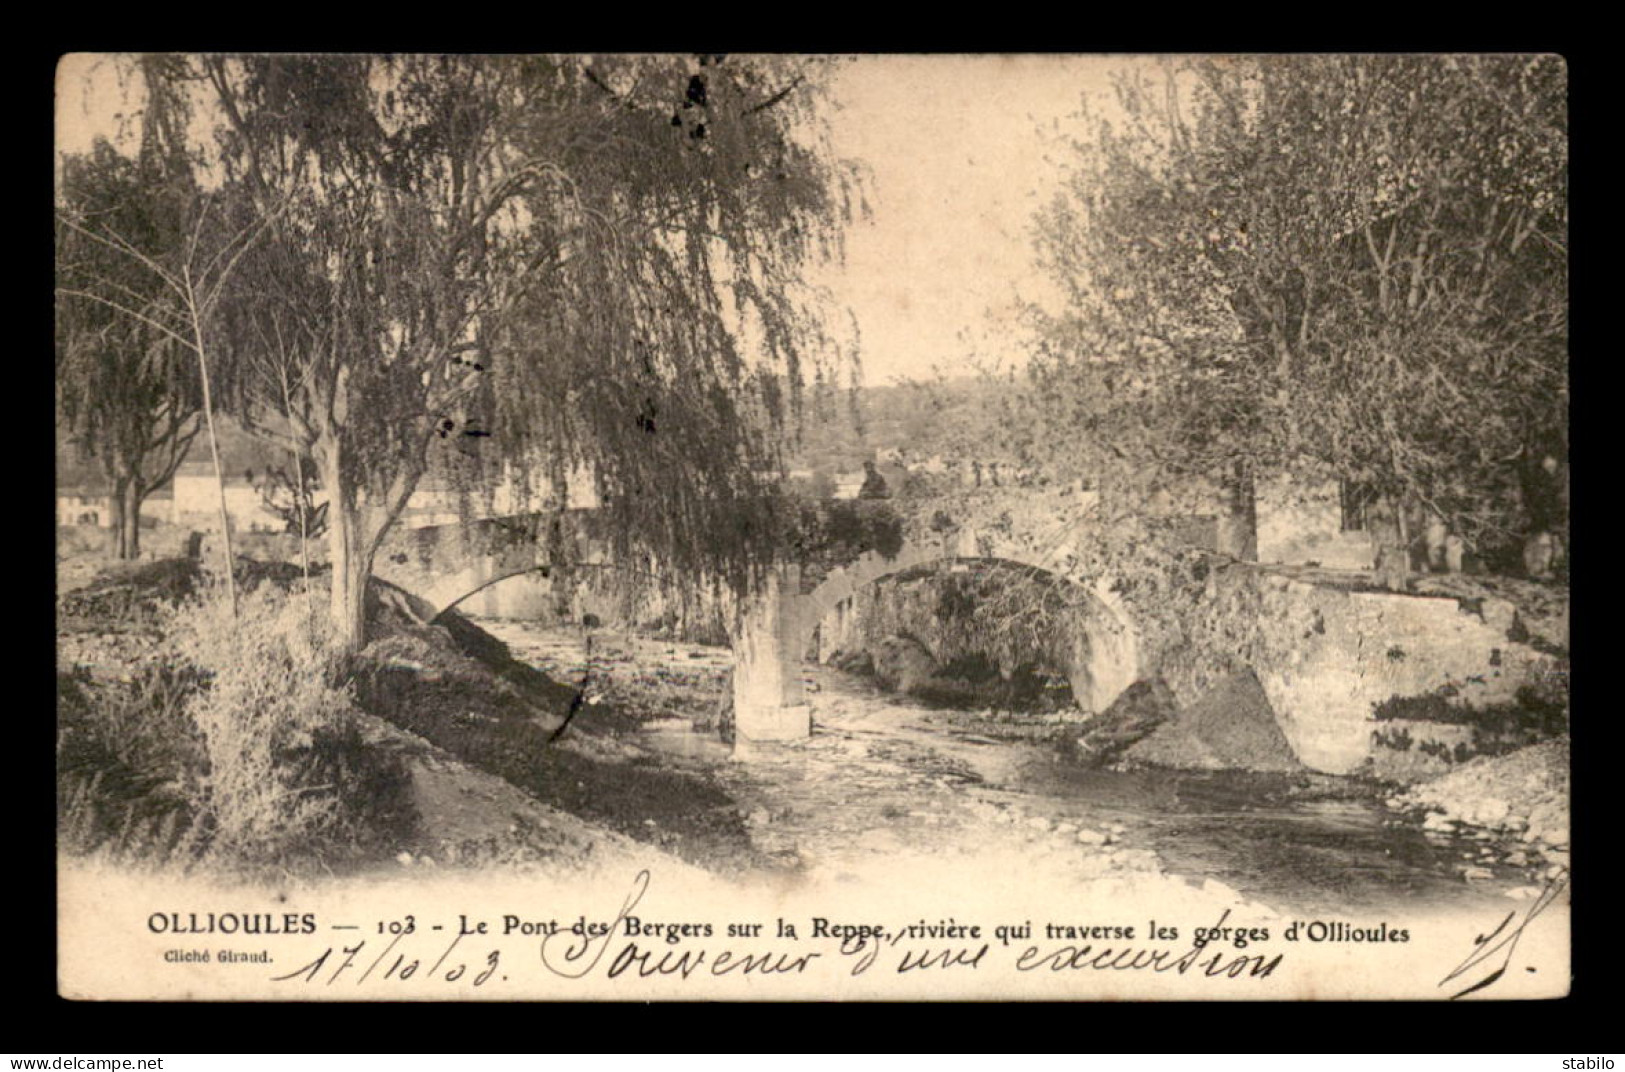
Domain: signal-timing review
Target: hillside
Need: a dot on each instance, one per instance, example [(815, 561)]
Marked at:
[(969, 417)]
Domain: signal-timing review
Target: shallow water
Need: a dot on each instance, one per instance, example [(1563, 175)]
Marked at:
[(880, 766), (1261, 835)]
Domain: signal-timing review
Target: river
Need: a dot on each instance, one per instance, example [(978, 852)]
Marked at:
[(883, 774)]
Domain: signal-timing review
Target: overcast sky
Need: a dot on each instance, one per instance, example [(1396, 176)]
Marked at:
[(963, 151)]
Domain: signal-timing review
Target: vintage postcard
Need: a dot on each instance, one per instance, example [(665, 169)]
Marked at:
[(711, 526)]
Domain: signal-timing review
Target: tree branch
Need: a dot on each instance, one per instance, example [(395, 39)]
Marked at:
[(128, 312)]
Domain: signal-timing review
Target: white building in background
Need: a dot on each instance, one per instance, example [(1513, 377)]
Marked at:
[(81, 506), (196, 502), (514, 496), (847, 485), (91, 506), (1303, 522)]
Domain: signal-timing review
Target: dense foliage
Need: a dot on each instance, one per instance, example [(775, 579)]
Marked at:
[(516, 274), (1333, 264)]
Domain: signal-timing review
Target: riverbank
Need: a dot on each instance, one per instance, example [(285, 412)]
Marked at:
[(521, 746), (456, 746)]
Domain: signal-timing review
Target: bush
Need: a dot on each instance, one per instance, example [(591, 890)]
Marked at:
[(129, 768), (132, 593), (288, 770)]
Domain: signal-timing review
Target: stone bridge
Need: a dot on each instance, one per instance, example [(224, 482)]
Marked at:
[(780, 630), (465, 565), (1327, 650)]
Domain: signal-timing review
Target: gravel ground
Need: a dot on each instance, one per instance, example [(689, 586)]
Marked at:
[(1524, 793)]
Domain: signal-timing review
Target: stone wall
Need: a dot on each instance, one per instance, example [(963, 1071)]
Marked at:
[(1301, 524), (1328, 657), (1327, 653)]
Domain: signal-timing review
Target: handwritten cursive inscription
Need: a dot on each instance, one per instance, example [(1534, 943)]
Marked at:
[(574, 954), (1492, 952), (405, 964)]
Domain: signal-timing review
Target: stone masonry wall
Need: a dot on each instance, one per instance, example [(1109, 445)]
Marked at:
[(1328, 656)]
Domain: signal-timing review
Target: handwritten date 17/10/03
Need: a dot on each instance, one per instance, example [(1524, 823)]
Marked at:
[(391, 961)]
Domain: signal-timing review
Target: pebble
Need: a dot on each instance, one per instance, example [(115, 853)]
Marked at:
[(1477, 874), (1039, 823), (1092, 837), (1523, 893)]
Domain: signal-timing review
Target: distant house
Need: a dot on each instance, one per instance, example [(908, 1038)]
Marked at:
[(92, 505), (1301, 522), (196, 501), (437, 501), (431, 504), (847, 485), (850, 485), (80, 506)]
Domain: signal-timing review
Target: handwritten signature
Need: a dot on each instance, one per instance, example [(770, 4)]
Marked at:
[(1492, 952)]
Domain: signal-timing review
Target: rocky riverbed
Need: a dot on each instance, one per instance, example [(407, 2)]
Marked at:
[(1523, 796), (883, 776)]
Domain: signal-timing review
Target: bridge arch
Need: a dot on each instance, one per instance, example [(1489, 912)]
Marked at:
[(453, 590), (1108, 663), (445, 566)]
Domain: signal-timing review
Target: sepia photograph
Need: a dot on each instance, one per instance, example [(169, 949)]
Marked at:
[(657, 527)]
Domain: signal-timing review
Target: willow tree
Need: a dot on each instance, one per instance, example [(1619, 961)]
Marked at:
[(127, 386), (1331, 264), (592, 264)]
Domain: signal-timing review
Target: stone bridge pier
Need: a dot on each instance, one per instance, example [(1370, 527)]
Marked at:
[(767, 693)]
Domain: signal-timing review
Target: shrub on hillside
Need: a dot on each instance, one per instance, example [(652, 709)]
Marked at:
[(131, 593), (129, 767), (288, 771)]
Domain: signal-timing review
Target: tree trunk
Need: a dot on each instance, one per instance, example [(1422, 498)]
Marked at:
[(348, 547), (1238, 526), (352, 566), (214, 449), (1391, 544), (128, 515), (356, 528), (116, 533)]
